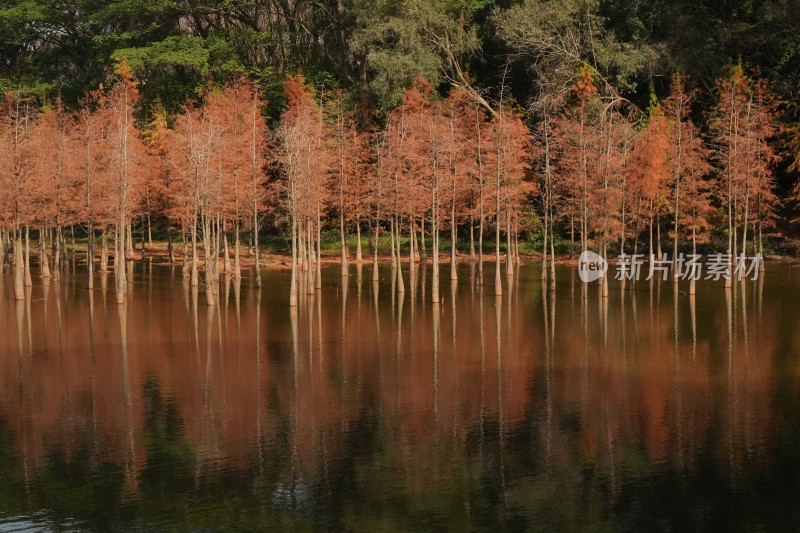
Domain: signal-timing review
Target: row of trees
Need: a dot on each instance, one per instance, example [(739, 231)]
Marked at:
[(593, 167)]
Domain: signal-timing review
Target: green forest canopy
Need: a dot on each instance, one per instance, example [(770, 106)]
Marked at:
[(378, 46)]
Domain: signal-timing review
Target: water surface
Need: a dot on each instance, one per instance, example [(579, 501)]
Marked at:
[(368, 410)]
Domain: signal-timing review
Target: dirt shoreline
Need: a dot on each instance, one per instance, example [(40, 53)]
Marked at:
[(271, 260)]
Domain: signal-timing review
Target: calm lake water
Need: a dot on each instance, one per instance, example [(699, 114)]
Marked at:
[(365, 410)]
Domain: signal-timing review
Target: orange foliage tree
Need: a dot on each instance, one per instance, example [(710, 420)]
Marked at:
[(304, 164), (743, 123)]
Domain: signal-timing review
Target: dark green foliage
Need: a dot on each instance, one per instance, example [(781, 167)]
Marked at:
[(377, 47)]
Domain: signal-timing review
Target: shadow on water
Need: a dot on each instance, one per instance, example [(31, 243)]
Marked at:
[(368, 407)]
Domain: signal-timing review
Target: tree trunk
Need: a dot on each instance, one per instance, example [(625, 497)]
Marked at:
[(3, 251), (435, 244), (658, 237), (343, 239), (480, 246), (650, 250), (43, 262), (237, 264), (552, 285), (90, 255), (56, 256), (509, 245), (209, 249), (103, 251), (129, 247), (195, 280), (375, 276), (226, 258), (453, 242), (318, 285), (471, 239), (72, 237), (257, 251), (149, 228), (545, 236), (170, 247), (293, 278), (417, 254), (412, 242), (422, 248), (312, 262), (396, 227), (185, 267), (498, 285), (692, 288), (391, 242), (28, 277), (141, 236), (119, 262), (19, 274), (359, 255)]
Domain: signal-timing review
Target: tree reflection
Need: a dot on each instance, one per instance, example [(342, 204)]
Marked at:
[(552, 410)]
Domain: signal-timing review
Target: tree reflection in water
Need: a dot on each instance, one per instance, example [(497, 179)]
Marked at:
[(537, 409)]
